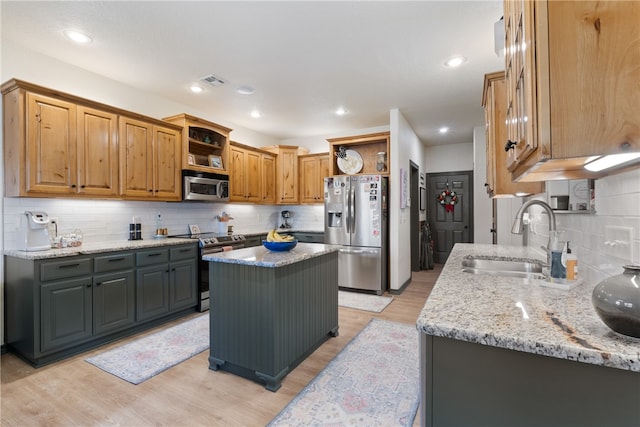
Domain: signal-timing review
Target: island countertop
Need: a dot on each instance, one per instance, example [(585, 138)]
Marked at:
[(262, 257), (521, 315)]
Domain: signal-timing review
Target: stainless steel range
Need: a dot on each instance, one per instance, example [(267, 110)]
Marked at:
[(211, 243)]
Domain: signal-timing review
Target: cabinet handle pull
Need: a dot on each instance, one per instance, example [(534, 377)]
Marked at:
[(116, 259), (88, 285), (73, 186), (510, 145), (69, 265), (156, 254)]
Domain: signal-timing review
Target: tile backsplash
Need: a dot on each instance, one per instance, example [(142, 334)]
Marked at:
[(596, 238), (108, 220)]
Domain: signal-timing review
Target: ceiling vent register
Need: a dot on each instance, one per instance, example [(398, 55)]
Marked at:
[(213, 80)]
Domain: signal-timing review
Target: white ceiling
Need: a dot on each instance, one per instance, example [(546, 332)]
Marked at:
[(303, 58)]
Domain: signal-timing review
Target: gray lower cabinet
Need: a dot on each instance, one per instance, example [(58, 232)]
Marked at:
[(66, 313), (165, 281), (309, 236), (62, 306)]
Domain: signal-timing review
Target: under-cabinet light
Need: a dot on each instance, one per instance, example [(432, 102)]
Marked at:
[(610, 161)]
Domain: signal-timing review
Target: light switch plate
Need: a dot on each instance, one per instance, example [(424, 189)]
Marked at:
[(618, 241)]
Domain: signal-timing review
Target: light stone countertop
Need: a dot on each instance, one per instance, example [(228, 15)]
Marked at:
[(262, 257), (93, 248), (490, 310)]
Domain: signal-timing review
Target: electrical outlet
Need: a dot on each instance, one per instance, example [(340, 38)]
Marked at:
[(618, 241)]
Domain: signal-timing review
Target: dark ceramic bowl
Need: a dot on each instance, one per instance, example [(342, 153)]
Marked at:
[(280, 246)]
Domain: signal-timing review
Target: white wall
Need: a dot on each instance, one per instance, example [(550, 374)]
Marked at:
[(449, 158), (405, 147), (482, 204)]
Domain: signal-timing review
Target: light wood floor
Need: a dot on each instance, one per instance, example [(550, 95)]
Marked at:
[(75, 393)]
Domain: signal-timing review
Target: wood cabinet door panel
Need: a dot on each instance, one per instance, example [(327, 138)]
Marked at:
[(97, 152), (166, 164), (136, 158), (268, 170), (252, 184), (309, 174), (288, 176), (51, 135), (237, 175)]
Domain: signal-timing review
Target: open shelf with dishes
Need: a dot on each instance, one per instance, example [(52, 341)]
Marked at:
[(359, 155), (205, 144)]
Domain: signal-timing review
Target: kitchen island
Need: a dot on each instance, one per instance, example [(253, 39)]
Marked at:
[(499, 351), (270, 310)]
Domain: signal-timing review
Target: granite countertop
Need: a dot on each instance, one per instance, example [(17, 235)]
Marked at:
[(262, 257), (522, 315), (93, 248)]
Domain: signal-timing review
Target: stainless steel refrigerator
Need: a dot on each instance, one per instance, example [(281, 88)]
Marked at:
[(355, 209)]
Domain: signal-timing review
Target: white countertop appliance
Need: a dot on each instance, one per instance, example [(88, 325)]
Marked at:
[(36, 233)]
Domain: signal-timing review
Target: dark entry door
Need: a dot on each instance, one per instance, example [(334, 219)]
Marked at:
[(452, 225)]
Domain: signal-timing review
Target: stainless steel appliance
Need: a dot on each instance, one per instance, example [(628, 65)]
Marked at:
[(356, 218), (210, 243), (36, 231), (206, 187)]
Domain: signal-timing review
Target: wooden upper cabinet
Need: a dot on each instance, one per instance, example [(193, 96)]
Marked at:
[(251, 175), (499, 181), (54, 147), (313, 168), (202, 139), (61, 145), (51, 142), (97, 152), (572, 85), (287, 190), (268, 172), (149, 160), (367, 146)]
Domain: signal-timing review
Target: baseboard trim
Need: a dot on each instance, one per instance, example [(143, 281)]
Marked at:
[(402, 288)]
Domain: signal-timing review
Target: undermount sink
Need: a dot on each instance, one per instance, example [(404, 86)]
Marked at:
[(524, 268)]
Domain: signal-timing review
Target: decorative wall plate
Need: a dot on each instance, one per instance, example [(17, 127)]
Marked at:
[(351, 163)]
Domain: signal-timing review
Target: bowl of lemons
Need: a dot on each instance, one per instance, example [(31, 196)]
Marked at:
[(279, 242)]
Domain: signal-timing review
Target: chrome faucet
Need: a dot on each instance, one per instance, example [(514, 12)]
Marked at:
[(517, 224)]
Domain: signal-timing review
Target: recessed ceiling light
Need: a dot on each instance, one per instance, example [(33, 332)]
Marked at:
[(196, 88), (443, 129), (256, 114), (77, 36), (245, 90), (341, 111), (455, 61)]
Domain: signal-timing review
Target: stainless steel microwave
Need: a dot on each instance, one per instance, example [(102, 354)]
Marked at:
[(205, 187)]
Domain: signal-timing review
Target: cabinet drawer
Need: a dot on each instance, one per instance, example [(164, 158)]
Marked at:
[(63, 269), (309, 237), (184, 252), (150, 257), (113, 262)]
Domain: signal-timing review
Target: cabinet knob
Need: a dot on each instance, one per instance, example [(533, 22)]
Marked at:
[(73, 186), (510, 145)]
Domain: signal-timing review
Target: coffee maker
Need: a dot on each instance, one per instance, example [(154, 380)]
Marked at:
[(286, 220), (36, 232)]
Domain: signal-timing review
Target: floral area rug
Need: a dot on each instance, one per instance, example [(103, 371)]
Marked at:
[(142, 359), (373, 381), (360, 301)]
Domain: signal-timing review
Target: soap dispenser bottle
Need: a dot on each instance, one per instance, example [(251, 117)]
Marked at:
[(572, 264)]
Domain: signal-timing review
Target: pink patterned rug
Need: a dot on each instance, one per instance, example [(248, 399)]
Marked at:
[(142, 359), (373, 381)]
